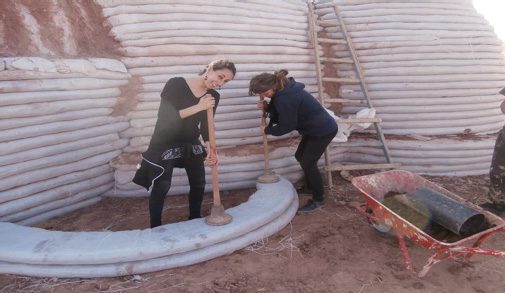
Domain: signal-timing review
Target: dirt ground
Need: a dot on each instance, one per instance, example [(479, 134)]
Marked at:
[(330, 250)]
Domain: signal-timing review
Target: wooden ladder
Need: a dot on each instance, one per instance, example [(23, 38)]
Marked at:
[(358, 80)]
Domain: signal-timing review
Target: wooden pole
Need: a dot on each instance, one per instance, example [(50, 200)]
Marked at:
[(212, 141), (218, 215), (265, 141), (268, 175)]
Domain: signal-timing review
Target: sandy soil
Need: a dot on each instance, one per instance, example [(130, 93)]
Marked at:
[(331, 250)]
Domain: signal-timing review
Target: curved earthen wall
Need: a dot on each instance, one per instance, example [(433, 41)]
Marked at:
[(433, 70), (80, 85)]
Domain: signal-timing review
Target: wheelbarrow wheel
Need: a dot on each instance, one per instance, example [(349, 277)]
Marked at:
[(380, 227)]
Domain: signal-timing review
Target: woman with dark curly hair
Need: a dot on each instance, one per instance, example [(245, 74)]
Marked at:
[(293, 108)]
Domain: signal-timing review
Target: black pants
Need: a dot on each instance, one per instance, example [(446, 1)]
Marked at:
[(497, 171), (196, 176), (309, 151)]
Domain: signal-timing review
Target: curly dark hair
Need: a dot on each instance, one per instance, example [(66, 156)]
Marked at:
[(266, 81)]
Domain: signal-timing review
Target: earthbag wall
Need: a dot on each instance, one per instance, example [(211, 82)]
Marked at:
[(433, 70), (57, 134), (163, 40)]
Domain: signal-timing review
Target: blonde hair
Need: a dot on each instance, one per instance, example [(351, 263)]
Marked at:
[(266, 81)]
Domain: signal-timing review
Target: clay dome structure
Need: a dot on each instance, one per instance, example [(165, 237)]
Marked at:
[(80, 89)]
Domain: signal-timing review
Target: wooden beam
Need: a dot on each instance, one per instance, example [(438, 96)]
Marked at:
[(360, 120), (345, 101), (336, 60), (342, 80), (329, 23), (363, 167), (332, 41), (356, 144)]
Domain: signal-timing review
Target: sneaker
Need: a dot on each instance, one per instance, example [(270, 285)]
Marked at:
[(312, 205), (304, 190)]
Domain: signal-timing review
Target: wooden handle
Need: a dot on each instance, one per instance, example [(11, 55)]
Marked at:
[(265, 141), (212, 142)]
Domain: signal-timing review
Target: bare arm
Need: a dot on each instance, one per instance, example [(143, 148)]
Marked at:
[(205, 103), (212, 157), (503, 107)]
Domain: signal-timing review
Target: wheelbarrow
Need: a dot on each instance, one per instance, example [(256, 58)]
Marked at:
[(386, 219)]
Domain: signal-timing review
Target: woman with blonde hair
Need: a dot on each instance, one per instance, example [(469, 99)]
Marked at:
[(291, 108)]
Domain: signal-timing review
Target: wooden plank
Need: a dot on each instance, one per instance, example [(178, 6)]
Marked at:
[(326, 5), (315, 45), (363, 167), (356, 144), (359, 80), (319, 76), (345, 101), (331, 41), (328, 23), (363, 85), (342, 80), (336, 60), (360, 120)]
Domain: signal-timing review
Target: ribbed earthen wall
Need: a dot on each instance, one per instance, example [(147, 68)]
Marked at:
[(74, 123)]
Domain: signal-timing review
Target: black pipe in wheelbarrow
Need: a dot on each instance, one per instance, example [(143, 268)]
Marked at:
[(451, 214)]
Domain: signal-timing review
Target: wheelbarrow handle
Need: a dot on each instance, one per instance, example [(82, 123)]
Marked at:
[(476, 250)]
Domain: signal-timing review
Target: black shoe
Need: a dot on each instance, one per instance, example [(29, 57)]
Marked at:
[(494, 208), (304, 190), (312, 205)]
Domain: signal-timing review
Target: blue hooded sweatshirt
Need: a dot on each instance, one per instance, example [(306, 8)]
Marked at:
[(296, 109)]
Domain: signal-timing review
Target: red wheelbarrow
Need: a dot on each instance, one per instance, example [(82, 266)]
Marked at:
[(376, 188)]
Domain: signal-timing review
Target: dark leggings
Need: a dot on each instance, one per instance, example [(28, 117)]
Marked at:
[(196, 176), (309, 151)]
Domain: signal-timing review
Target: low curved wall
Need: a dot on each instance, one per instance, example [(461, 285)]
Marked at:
[(39, 252)]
